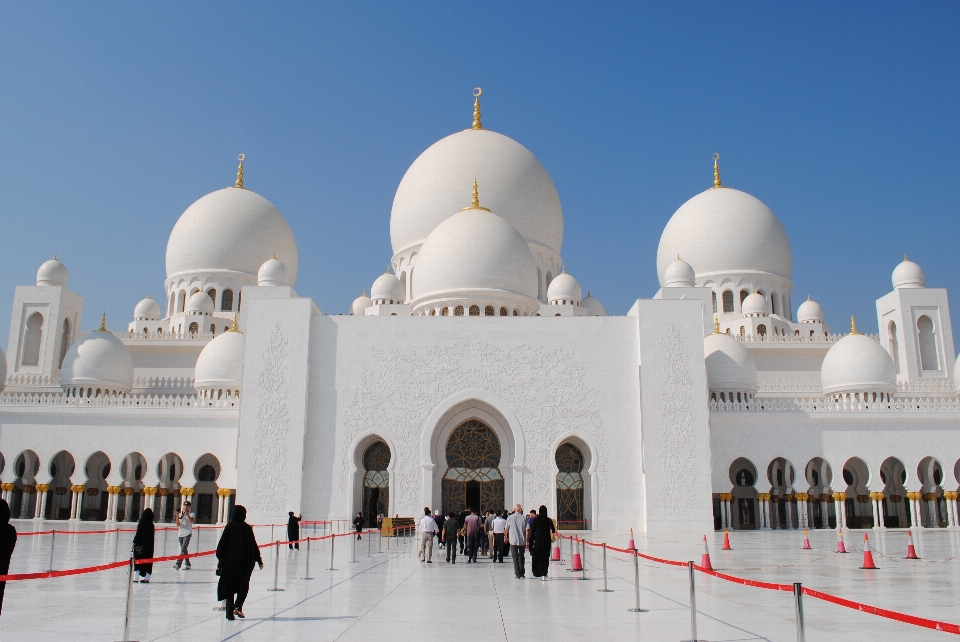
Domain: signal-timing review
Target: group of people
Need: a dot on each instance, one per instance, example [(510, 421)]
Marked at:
[(490, 535)]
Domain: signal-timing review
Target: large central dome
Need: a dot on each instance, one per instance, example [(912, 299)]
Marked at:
[(515, 185)]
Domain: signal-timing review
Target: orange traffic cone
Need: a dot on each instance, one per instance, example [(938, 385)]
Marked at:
[(726, 540), (630, 545), (555, 555), (911, 551), (806, 541), (577, 564), (867, 554), (705, 558), (840, 547)]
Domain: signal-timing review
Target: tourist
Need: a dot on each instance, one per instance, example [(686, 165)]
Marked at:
[(471, 526), (8, 542), (542, 533), (439, 519), (185, 519), (428, 529), (487, 541), (143, 547), (461, 536), (237, 553), (293, 530), (498, 526), (515, 529), (450, 534), (358, 524)]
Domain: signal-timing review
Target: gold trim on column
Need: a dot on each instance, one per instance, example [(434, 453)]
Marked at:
[(913, 495), (950, 494), (876, 496), (78, 488), (150, 490), (186, 492), (42, 488), (114, 490), (839, 497), (802, 497)]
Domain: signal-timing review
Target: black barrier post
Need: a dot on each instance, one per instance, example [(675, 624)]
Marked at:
[(798, 608)]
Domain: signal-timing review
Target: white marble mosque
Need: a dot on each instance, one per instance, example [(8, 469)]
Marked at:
[(476, 373)]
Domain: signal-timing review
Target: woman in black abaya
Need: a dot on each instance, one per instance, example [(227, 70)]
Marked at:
[(143, 547), (542, 531), (237, 553)]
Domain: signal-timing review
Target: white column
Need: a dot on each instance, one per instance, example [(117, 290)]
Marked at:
[(789, 509), (724, 513), (840, 508), (913, 504), (164, 498), (802, 510), (41, 506), (113, 504), (76, 501), (128, 504), (931, 502), (951, 497), (25, 512), (875, 499), (763, 498)]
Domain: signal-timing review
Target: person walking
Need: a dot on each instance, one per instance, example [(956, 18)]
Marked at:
[(358, 524), (499, 525), (461, 537), (488, 534), (428, 528), (542, 532), (471, 526), (293, 530), (439, 518), (237, 553), (450, 530), (185, 519), (516, 529), (8, 542), (143, 547)]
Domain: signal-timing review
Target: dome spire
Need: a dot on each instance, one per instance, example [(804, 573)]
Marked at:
[(853, 325), (475, 202), (716, 171), (103, 323), (716, 324), (476, 108), (234, 327), (240, 171)]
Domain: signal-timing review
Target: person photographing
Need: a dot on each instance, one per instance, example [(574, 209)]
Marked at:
[(185, 519)]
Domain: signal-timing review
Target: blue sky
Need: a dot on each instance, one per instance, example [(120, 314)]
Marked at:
[(842, 117)]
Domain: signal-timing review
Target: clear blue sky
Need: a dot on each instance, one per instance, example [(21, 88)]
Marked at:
[(844, 118)]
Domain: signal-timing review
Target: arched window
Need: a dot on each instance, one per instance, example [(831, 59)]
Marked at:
[(458, 311), (239, 301), (445, 312), (570, 511), (213, 295), (713, 295), (433, 312), (473, 478), (727, 301), (194, 328), (515, 313), (785, 307), (503, 312), (65, 340), (762, 330), (181, 300), (226, 301), (929, 359), (376, 482), (743, 295), (774, 303), (207, 473), (213, 328), (474, 310), (488, 311), (31, 340), (741, 330)]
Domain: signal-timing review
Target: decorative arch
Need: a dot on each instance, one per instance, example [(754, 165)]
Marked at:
[(934, 508), (781, 475), (859, 508), (96, 470), (358, 449), (206, 470), (59, 496), (819, 477), (66, 338), (896, 511), (929, 357), (32, 336), (744, 508)]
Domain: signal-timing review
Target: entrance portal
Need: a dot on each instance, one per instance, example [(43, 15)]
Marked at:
[(376, 482), (473, 478)]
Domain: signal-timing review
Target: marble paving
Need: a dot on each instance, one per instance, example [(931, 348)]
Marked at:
[(392, 595)]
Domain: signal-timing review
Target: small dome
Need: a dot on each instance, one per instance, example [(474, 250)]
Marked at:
[(99, 361), (594, 308), (147, 310), (387, 288), (273, 272), (53, 272), (679, 274), (810, 312), (220, 364), (755, 305), (200, 302), (564, 288), (360, 304), (908, 275), (730, 367), (857, 364)]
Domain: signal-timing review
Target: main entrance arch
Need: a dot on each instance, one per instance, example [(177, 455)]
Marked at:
[(472, 479)]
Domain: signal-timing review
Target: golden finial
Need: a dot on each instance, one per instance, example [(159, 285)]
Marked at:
[(234, 327), (56, 259), (148, 296), (853, 325), (274, 256), (240, 171), (475, 202), (588, 293), (904, 258), (476, 108), (564, 269), (388, 270), (716, 171), (808, 297), (103, 323), (364, 292), (716, 324), (678, 256)]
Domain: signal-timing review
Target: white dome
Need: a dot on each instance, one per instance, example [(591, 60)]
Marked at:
[(515, 185), (147, 310), (564, 288), (232, 229), (273, 272), (200, 302), (730, 367), (477, 255), (53, 272), (360, 304), (810, 312), (755, 305), (594, 307), (908, 275), (387, 288), (220, 364), (99, 361), (725, 231), (857, 363), (679, 274)]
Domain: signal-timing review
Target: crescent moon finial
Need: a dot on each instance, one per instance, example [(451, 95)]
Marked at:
[(239, 182), (716, 170)]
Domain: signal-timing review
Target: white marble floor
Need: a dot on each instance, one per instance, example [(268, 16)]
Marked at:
[(394, 596)]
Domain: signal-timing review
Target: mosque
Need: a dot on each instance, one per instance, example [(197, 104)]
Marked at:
[(476, 373)]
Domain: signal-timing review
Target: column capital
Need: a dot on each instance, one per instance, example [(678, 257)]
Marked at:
[(763, 497), (913, 495), (876, 496), (186, 492), (114, 490), (150, 490), (78, 488), (42, 488), (224, 492), (802, 497), (930, 497), (7, 487), (839, 497), (950, 494)]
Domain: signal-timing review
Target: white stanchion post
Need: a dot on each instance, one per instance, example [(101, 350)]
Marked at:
[(308, 562), (353, 554), (604, 589), (636, 583), (166, 534), (798, 608), (276, 568), (333, 540), (693, 606), (116, 546), (271, 533), (53, 539), (369, 542), (379, 541), (583, 558), (198, 538), (129, 606)]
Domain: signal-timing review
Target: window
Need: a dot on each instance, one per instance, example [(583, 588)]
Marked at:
[(773, 303), (213, 328), (64, 342), (743, 295), (549, 281), (727, 301), (713, 295), (226, 301), (762, 330), (194, 327), (239, 301), (458, 311), (928, 344), (445, 312), (503, 312), (515, 313), (474, 310), (433, 312), (31, 340), (181, 300), (207, 473), (213, 295)]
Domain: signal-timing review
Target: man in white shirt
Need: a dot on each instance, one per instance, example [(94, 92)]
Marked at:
[(499, 526), (428, 529), (516, 529), (185, 520)]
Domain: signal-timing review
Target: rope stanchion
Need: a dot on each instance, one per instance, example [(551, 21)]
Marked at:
[(353, 553), (53, 540), (604, 589), (583, 559), (693, 607), (276, 569), (798, 610), (129, 606), (307, 574), (333, 541), (636, 584), (369, 541)]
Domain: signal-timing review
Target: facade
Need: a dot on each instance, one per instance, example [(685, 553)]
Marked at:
[(477, 374)]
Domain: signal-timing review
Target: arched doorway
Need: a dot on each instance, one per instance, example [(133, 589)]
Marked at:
[(93, 506), (896, 512), (819, 495), (206, 471), (376, 482), (934, 506), (783, 507), (743, 511), (856, 475), (570, 487), (60, 496), (473, 478)]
